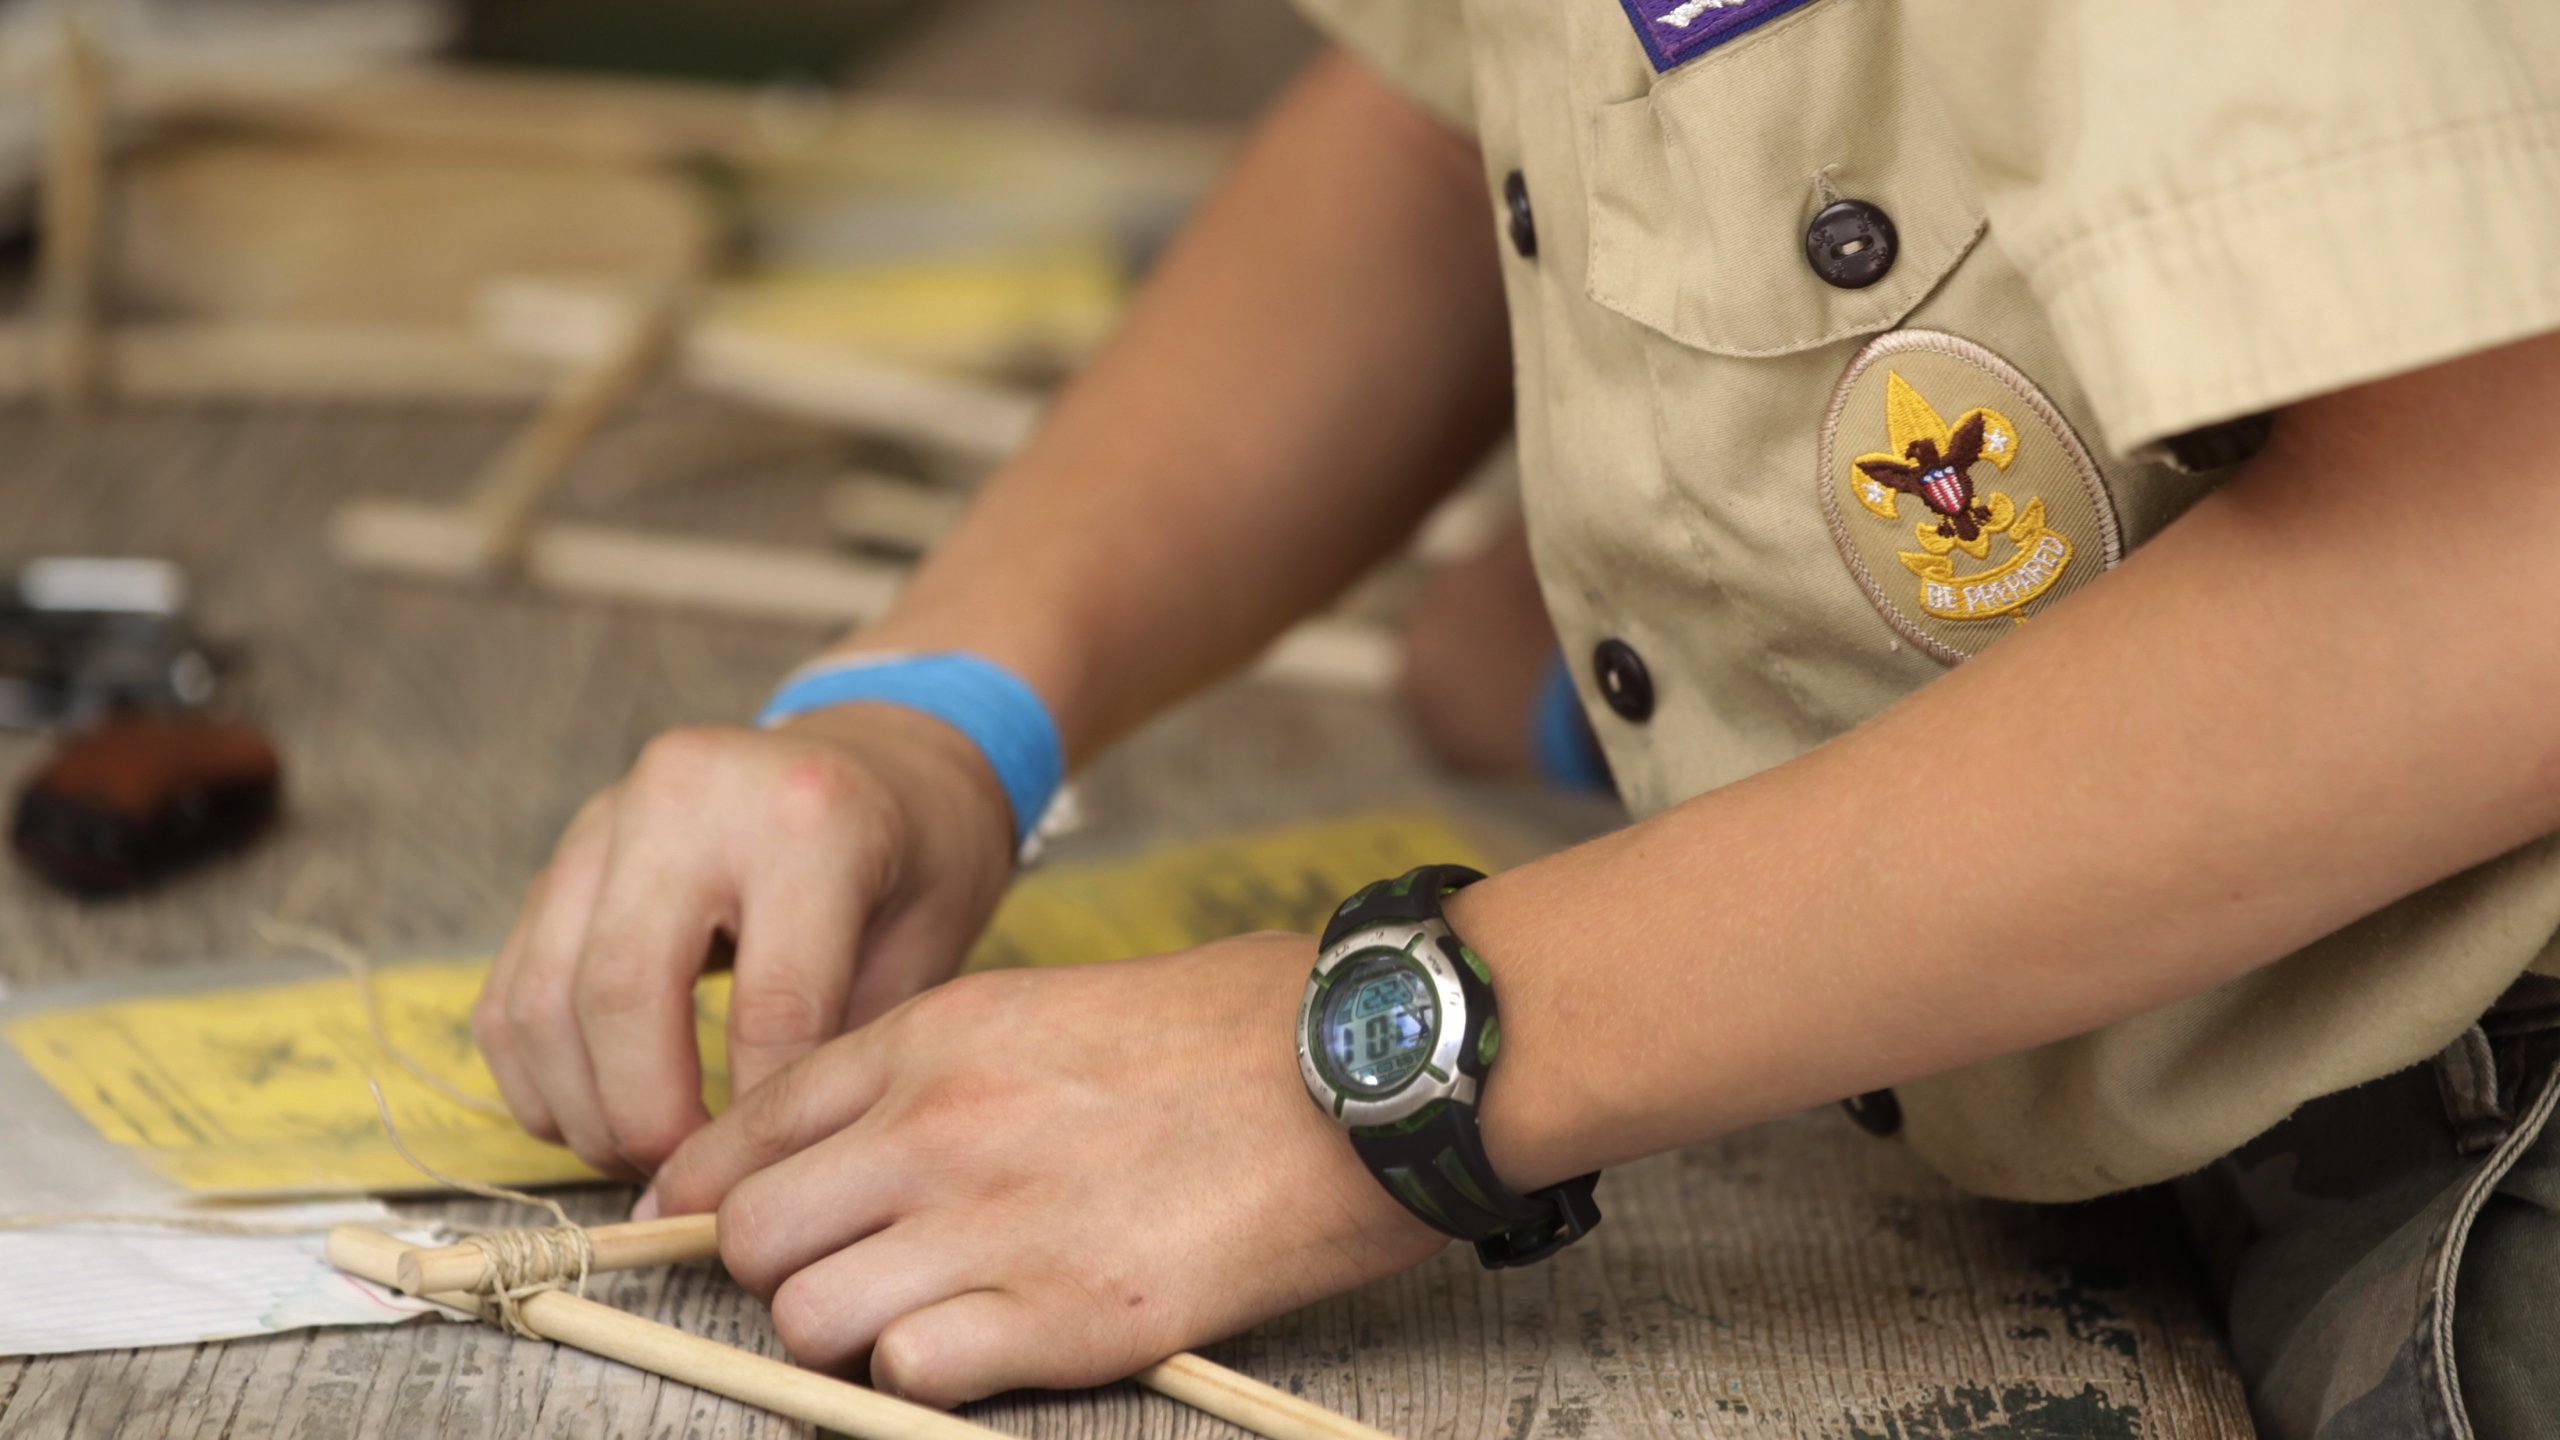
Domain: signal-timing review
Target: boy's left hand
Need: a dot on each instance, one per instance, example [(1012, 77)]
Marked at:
[(1045, 1177)]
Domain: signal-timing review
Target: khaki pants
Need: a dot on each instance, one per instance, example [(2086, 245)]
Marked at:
[(2389, 1257)]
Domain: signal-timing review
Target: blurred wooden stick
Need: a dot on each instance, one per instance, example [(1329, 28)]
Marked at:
[(602, 562), (500, 508), (244, 360), (895, 514), (973, 419), (621, 121), (75, 184), (758, 582)]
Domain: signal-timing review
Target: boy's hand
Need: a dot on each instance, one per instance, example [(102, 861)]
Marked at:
[(852, 856), (1046, 1178)]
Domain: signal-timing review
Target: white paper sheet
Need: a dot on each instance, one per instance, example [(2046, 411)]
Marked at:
[(72, 1288), (99, 1288)]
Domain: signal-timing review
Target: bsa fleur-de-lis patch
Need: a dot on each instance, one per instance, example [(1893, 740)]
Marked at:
[(1936, 464), (2004, 503)]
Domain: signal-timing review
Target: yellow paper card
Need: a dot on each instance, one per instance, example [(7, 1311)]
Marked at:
[(262, 1090)]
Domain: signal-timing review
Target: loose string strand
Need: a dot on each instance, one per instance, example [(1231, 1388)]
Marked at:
[(517, 1262), (194, 1224), (286, 934)]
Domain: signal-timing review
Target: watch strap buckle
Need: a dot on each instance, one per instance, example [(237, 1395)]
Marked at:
[(1576, 1209)]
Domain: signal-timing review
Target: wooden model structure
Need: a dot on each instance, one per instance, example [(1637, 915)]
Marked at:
[(581, 348), (487, 1277)]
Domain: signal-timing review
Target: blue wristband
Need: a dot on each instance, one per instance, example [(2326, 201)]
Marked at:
[(991, 705), (1560, 737)]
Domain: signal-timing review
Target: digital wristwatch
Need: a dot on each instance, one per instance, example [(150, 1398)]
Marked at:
[(1395, 1036)]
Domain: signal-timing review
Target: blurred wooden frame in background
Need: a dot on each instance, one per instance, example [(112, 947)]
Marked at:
[(581, 350)]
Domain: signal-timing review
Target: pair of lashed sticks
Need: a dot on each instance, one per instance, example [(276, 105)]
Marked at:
[(466, 1277)]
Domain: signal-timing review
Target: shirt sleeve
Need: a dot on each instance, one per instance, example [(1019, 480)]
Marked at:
[(1419, 47), (2225, 206)]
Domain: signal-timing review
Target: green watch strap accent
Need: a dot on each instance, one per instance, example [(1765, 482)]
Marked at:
[(1408, 1188), (1454, 1170)]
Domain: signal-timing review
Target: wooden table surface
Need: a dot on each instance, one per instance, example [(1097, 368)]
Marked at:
[(1798, 1280)]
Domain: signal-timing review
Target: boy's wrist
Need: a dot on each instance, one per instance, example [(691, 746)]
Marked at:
[(1535, 1132), (982, 704), (938, 778)]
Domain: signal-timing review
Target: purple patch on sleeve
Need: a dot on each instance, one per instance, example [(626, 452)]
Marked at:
[(1677, 31)]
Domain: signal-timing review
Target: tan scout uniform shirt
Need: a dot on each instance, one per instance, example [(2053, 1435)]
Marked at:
[(2114, 223)]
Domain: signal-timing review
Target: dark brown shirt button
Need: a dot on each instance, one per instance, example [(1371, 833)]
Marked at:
[(1524, 223), (1875, 1112), (1851, 244), (1623, 680)]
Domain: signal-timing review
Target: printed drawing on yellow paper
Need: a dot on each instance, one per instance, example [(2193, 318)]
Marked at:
[(262, 1090), (1934, 462)]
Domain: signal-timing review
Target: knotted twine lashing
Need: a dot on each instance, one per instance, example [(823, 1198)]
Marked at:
[(516, 1264)]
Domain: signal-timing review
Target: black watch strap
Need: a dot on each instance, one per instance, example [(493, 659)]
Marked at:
[(1434, 1162)]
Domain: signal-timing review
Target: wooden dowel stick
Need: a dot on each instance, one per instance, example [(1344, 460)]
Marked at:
[(664, 1350), (633, 1246), (74, 202), (455, 110), (954, 415), (191, 360), (502, 501), (362, 1250), (1200, 1384), (1242, 1400), (604, 562), (878, 510), (767, 582)]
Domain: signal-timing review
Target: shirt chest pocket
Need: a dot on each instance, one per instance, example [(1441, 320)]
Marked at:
[(1791, 188)]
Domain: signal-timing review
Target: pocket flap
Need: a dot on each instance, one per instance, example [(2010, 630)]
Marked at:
[(1702, 190)]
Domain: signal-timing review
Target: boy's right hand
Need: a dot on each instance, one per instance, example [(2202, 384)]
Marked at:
[(852, 856)]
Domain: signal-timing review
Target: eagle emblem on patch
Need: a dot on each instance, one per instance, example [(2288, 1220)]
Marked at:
[(2005, 506)]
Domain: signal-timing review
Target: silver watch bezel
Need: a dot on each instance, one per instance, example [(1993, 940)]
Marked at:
[(1439, 1078)]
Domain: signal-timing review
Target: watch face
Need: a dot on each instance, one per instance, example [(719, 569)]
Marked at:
[(1380, 1020)]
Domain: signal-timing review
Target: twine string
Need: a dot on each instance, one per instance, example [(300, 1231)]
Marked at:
[(286, 934), (517, 1263), (122, 1220)]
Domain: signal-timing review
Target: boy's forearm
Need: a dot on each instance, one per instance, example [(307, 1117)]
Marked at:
[(1317, 359), (2326, 687)]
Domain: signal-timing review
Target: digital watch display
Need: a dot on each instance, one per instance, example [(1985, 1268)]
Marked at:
[(1396, 1034), (1378, 1048), (1379, 1022)]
